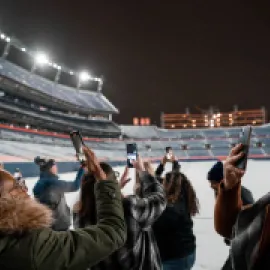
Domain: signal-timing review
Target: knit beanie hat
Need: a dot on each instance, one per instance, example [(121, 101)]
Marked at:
[(216, 172), (44, 164)]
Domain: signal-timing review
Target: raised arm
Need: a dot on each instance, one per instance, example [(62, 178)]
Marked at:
[(69, 186), (228, 205), (228, 202), (160, 168), (147, 207)]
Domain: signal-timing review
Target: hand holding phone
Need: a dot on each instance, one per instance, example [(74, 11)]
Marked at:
[(78, 144), (132, 153), (244, 140), (169, 153), (232, 174)]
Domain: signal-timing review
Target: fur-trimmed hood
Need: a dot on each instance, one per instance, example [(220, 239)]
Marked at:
[(18, 215)]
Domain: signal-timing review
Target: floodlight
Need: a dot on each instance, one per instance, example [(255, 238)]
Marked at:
[(41, 59), (71, 73), (8, 39), (2, 36), (59, 67), (55, 65), (23, 49), (84, 76)]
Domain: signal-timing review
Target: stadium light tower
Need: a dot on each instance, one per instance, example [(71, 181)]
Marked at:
[(100, 84), (7, 46), (40, 59), (58, 74)]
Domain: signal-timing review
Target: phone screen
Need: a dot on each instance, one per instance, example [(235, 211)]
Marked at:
[(132, 153), (169, 152), (78, 143), (245, 141)]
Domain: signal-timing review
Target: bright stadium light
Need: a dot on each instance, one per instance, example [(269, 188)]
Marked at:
[(7, 39), (84, 76), (23, 49), (41, 59), (71, 73), (2, 36)]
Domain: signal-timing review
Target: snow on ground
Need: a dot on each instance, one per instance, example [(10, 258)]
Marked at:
[(211, 250)]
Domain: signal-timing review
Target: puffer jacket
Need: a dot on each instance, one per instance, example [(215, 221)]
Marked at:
[(50, 191), (27, 242)]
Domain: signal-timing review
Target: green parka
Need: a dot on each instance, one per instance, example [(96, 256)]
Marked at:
[(27, 242)]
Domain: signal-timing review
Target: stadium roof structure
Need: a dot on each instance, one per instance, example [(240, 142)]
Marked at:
[(70, 98)]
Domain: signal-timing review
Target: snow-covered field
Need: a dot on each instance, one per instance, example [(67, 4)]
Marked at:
[(211, 250)]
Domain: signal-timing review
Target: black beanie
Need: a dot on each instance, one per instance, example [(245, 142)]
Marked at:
[(44, 164), (216, 172)]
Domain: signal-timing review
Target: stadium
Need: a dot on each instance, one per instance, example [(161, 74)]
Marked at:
[(37, 115)]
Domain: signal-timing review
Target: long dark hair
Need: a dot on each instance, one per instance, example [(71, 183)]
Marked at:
[(176, 184), (87, 212)]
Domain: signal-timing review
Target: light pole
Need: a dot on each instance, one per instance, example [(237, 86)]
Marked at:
[(58, 74), (7, 46)]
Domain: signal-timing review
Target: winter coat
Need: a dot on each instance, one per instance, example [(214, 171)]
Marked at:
[(27, 242), (174, 230), (248, 227), (50, 191), (140, 251)]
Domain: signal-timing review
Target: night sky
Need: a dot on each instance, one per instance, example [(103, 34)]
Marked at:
[(156, 56)]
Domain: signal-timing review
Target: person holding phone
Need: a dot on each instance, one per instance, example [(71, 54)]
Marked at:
[(248, 227), (27, 242), (50, 191), (175, 165), (141, 211), (215, 176)]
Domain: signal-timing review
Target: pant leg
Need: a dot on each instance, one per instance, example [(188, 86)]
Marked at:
[(185, 263)]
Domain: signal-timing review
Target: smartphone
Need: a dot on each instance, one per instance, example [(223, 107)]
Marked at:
[(244, 139), (78, 143), (168, 152), (132, 154)]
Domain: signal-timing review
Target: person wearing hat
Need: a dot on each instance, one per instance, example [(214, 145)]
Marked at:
[(50, 191), (215, 177), (27, 242)]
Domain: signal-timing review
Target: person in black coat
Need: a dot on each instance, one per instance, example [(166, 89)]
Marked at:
[(174, 228), (50, 191)]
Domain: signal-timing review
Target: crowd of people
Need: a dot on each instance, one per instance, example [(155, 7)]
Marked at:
[(149, 230)]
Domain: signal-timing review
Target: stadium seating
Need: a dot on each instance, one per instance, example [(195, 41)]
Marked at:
[(87, 99), (32, 115), (61, 148)]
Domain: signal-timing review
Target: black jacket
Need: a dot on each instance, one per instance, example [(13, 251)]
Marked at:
[(174, 229), (246, 196)]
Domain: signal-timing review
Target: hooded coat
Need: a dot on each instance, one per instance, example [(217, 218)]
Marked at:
[(28, 243)]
